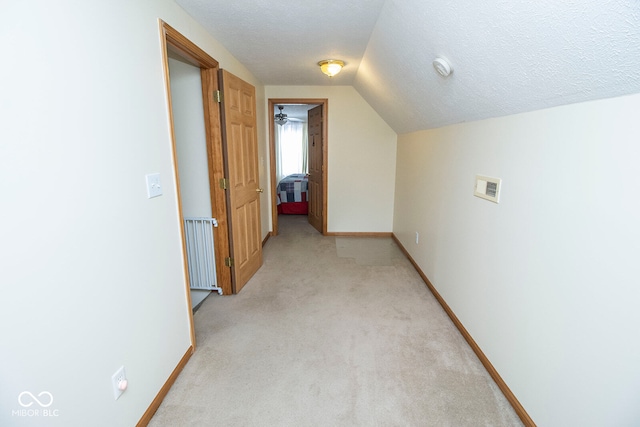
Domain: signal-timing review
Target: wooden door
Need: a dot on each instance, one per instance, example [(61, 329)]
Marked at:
[(316, 167), (239, 132)]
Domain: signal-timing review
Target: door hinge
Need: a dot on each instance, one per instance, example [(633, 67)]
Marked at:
[(224, 183), (228, 261), (218, 97)]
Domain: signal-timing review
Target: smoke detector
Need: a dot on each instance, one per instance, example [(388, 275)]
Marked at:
[(442, 66)]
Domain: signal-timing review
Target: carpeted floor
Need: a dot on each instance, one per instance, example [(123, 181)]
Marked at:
[(331, 331)]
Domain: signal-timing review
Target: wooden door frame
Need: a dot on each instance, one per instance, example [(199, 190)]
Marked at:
[(179, 44), (272, 155)]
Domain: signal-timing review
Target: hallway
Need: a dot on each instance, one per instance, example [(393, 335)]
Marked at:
[(331, 331)]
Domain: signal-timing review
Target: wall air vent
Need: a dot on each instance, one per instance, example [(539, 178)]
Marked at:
[(488, 188)]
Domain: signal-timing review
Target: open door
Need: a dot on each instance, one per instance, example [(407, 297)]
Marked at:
[(322, 157), (240, 141), (316, 167)]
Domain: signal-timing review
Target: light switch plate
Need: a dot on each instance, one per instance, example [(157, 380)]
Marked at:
[(154, 188)]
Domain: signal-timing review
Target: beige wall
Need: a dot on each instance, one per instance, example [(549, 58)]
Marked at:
[(362, 151), (191, 143), (92, 271), (547, 280)]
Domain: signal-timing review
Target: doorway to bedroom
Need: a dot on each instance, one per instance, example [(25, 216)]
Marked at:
[(298, 158)]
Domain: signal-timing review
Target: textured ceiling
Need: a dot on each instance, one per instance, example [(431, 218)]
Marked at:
[(508, 57), (281, 42)]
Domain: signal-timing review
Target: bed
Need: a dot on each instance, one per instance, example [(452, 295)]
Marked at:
[(293, 195)]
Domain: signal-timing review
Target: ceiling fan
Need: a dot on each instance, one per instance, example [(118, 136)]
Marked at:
[(282, 118)]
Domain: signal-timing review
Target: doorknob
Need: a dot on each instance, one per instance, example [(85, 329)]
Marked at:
[(259, 190)]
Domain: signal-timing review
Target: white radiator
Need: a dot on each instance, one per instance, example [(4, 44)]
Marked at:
[(200, 253)]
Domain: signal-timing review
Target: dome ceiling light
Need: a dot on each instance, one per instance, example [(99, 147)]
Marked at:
[(331, 67)]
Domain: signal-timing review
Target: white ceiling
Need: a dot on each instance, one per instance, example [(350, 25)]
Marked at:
[(507, 56)]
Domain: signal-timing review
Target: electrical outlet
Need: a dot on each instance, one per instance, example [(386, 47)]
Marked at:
[(119, 382)]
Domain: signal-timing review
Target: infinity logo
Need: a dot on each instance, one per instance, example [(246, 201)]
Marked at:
[(44, 404)]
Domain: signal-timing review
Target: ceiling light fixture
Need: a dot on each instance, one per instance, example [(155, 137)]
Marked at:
[(442, 66), (280, 118), (331, 67)]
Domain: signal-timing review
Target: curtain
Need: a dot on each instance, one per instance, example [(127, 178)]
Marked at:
[(291, 149)]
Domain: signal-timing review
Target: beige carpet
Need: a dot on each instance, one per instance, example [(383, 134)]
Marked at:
[(331, 331)]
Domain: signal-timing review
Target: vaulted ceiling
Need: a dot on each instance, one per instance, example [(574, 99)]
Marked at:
[(507, 56)]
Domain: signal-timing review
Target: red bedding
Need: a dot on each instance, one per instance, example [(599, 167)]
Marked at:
[(294, 208)]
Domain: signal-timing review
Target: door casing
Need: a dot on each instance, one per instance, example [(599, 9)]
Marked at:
[(173, 40)]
